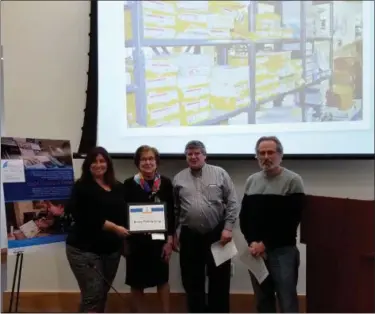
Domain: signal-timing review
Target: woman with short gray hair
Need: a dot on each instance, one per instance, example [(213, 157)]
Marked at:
[(147, 259)]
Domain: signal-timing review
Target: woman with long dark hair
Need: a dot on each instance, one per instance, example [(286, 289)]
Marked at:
[(95, 241)]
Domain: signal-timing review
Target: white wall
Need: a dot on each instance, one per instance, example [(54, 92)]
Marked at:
[(45, 47)]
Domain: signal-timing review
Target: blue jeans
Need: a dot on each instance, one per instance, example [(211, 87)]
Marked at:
[(282, 264)]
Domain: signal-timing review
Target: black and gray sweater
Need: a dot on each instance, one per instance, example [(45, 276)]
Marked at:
[(271, 208)]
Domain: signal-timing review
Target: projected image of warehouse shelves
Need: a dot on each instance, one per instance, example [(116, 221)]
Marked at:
[(228, 72), (200, 63)]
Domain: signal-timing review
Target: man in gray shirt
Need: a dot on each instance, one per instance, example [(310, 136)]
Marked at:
[(270, 214), (206, 209)]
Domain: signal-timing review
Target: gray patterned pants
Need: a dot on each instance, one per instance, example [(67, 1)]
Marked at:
[(94, 273)]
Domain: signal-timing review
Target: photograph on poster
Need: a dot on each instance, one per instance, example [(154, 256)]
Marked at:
[(29, 220), (38, 154), (37, 177)]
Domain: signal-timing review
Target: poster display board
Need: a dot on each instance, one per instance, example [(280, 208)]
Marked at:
[(37, 177)]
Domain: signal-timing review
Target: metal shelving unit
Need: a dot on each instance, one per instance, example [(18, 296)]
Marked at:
[(304, 39), (159, 46)]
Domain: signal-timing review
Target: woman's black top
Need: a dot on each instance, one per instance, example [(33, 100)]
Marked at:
[(90, 206), (145, 266)]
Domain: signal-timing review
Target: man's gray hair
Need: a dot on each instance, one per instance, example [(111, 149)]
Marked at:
[(196, 145), (279, 146)]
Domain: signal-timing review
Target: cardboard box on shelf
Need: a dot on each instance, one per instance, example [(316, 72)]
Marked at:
[(265, 79), (229, 75), (219, 6), (241, 25), (160, 73), (166, 114), (273, 85), (342, 78), (278, 63), (227, 98), (192, 6), (189, 64), (176, 79), (276, 60), (191, 19), (129, 66), (268, 25), (131, 110), (226, 8), (160, 99), (217, 34), (219, 26), (220, 18), (160, 6), (129, 77), (229, 88), (344, 96), (272, 69), (281, 65), (162, 108), (266, 91), (159, 20), (169, 114), (344, 64), (194, 97)]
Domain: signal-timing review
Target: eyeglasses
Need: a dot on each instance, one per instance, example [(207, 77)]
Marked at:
[(150, 159)]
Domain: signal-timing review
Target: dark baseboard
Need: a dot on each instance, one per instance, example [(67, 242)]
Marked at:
[(65, 302)]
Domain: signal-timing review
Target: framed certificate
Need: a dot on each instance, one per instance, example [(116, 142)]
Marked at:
[(147, 217)]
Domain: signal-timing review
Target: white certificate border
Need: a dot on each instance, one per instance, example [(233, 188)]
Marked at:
[(164, 204)]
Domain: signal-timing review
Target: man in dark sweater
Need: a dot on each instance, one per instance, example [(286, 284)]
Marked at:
[(270, 215)]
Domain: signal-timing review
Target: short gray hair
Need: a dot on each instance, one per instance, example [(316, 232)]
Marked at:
[(196, 145), (279, 146)]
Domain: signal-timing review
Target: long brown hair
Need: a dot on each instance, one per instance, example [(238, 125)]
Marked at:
[(109, 175)]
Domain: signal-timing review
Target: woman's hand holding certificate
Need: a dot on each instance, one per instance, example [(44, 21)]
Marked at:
[(121, 231)]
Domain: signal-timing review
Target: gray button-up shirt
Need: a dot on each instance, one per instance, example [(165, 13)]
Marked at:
[(204, 201)]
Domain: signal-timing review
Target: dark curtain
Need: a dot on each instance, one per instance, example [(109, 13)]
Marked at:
[(89, 128)]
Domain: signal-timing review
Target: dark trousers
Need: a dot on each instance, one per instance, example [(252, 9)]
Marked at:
[(282, 264), (196, 261), (94, 274)]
